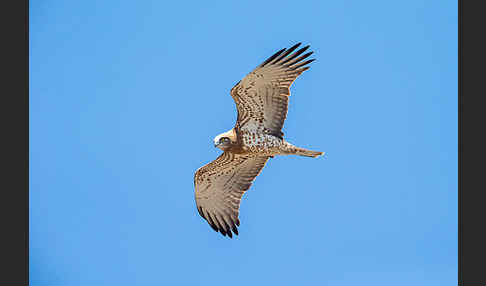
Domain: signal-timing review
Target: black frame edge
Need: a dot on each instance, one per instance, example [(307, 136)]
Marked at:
[(15, 138)]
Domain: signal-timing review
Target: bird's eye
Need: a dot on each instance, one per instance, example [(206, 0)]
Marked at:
[(224, 139)]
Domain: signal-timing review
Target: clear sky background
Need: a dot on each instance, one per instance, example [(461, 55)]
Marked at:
[(126, 97)]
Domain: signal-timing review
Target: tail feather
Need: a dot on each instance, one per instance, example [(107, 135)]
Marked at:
[(307, 153)]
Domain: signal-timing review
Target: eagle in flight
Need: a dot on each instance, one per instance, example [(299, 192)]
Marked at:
[(261, 99)]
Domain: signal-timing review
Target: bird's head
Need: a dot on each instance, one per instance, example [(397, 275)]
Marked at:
[(225, 140)]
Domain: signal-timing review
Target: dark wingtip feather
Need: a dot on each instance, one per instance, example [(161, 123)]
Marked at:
[(211, 222), (287, 52), (295, 46), (303, 69), (272, 57), (237, 222), (294, 67), (213, 227), (284, 56), (297, 60), (200, 211), (234, 228), (222, 232), (293, 56)]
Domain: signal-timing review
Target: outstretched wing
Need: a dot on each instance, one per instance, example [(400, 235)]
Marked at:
[(220, 185), (261, 97)]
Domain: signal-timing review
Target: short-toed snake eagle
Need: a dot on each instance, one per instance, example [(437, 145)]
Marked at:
[(261, 99)]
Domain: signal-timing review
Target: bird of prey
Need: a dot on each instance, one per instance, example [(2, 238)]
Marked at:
[(261, 99)]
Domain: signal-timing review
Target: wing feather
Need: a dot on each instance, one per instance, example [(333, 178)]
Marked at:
[(220, 185), (261, 97)]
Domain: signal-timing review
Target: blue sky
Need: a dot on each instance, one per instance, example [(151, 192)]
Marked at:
[(126, 97)]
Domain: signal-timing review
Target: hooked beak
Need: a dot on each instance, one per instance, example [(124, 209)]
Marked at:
[(216, 144)]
